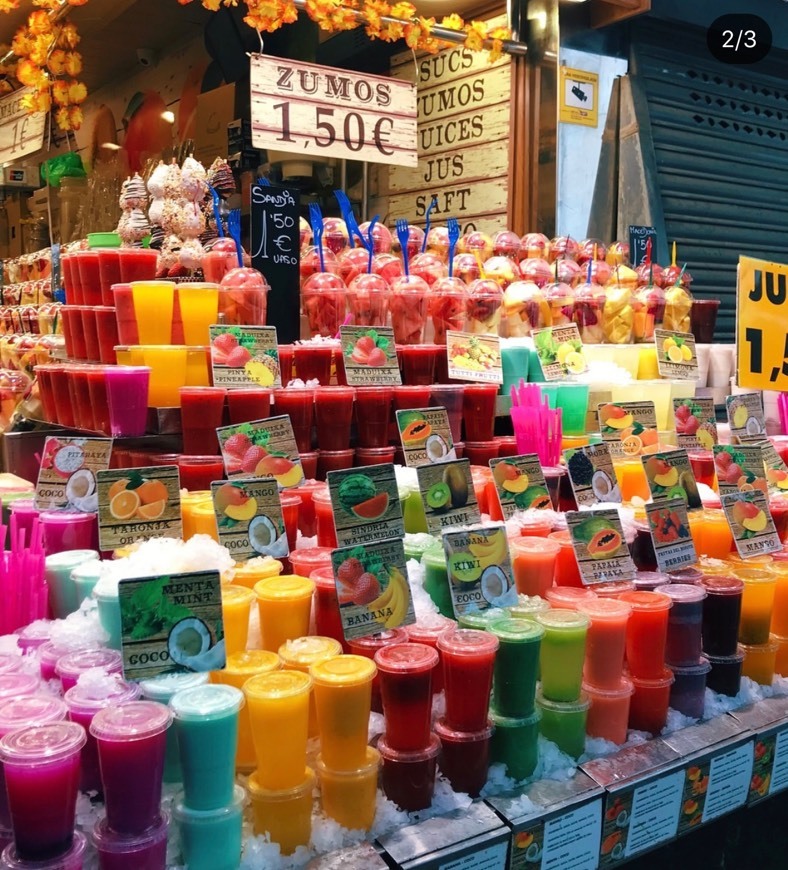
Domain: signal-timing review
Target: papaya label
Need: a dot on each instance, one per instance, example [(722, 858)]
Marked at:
[(740, 468), (696, 423), (249, 518), (369, 355), (670, 475), (67, 473), (592, 475), (474, 357), (746, 417), (520, 484), (447, 492), (479, 569), (600, 546), (751, 523), (366, 504), (628, 428), (668, 525), (677, 357), (560, 351), (244, 356), (263, 448), (425, 434)]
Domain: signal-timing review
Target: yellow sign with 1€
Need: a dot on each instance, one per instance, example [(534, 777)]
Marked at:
[(761, 327)]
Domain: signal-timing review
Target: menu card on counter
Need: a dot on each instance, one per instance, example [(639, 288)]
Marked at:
[(520, 484), (600, 546), (264, 448), (244, 356), (425, 434), (447, 492)]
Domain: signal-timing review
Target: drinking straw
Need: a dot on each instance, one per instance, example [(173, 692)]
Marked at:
[(234, 229), (454, 236), (216, 213), (673, 256), (588, 270), (403, 236), (316, 220), (371, 244), (346, 210), (345, 322), (430, 207), (782, 406)]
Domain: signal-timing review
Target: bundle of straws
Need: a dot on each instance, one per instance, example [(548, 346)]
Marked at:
[(536, 426), (23, 589)]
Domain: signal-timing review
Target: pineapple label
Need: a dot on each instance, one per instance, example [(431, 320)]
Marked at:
[(474, 357), (628, 428), (447, 492), (249, 518), (369, 355), (670, 475), (592, 475), (751, 523), (67, 474), (669, 527), (677, 357), (244, 356), (425, 434), (366, 504), (696, 423), (600, 546), (520, 484), (264, 448), (560, 351), (746, 417), (479, 569)]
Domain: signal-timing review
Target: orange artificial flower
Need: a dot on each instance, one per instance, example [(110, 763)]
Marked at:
[(403, 10), (9, 5), (47, 4), (62, 119), (39, 49), (73, 63), (453, 22), (212, 5), (76, 2), (38, 23), (69, 37), (374, 11), (77, 92), (29, 73), (56, 62), (75, 117), (476, 34), (60, 92), (20, 44)]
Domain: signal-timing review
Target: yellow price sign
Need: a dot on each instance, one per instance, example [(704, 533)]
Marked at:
[(762, 325)]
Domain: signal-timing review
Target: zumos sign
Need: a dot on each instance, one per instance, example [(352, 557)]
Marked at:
[(317, 110), (20, 132)]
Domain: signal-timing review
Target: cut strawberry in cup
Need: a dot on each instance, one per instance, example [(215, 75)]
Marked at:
[(429, 267), (466, 266), (243, 297)]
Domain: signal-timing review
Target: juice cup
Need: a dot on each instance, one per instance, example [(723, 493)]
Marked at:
[(373, 413), (199, 306), (685, 620), (167, 374), (57, 573), (303, 652), (286, 356), (516, 666), (201, 416), (284, 814), (313, 362), (564, 722), (127, 397), (468, 659), (632, 480), (413, 516), (79, 393), (405, 671), (779, 624), (702, 463), (328, 619), (109, 272), (284, 603), (90, 332), (606, 641), (123, 299), (688, 692), (236, 606), (436, 581), (368, 646), (278, 704), (212, 839), (250, 572), (757, 603), (725, 674), (716, 536), (480, 620), (450, 397), (528, 607), (690, 575), (515, 744), (247, 405), (131, 741), (41, 765), (153, 305), (781, 661), (119, 852), (349, 796), (305, 561), (464, 757), (64, 531), (198, 472), (70, 666), (307, 522), (299, 405), (647, 633), (309, 464), (642, 548), (408, 778), (334, 460), (89, 276), (107, 328), (703, 319), (324, 515), (137, 264), (206, 724), (569, 597), (478, 411), (534, 562), (333, 415), (374, 455), (608, 715), (417, 362), (648, 709), (562, 653), (567, 572), (480, 453), (760, 661), (428, 633)]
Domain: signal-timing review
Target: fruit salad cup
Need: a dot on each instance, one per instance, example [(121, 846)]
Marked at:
[(429, 267), (388, 266), (619, 316), (476, 243), (561, 299), (243, 297), (352, 262), (591, 249), (568, 272), (563, 248), (408, 306), (526, 308), (502, 270), (304, 233), (649, 308), (485, 300), (438, 242), (650, 273), (311, 263), (381, 237), (368, 300), (335, 234), (589, 313), (506, 244), (534, 245), (448, 303), (324, 296), (415, 241), (617, 254), (678, 307), (536, 270), (466, 267)]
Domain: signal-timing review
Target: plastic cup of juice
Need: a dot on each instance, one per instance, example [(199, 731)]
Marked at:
[(725, 674), (313, 362), (253, 570), (606, 641), (534, 562), (137, 264), (309, 559), (119, 852), (206, 723), (307, 521), (131, 741), (236, 606), (468, 658), (688, 692), (85, 577), (568, 597), (68, 531), (648, 709), (368, 646), (757, 604), (689, 575), (250, 404), (436, 581), (284, 814), (647, 633), (608, 715), (328, 619), (127, 397), (299, 405), (70, 666), (201, 415), (408, 778), (480, 620), (566, 571), (350, 796), (212, 839), (779, 623), (199, 306), (284, 603), (324, 517), (564, 722), (300, 654), (373, 412), (153, 306), (428, 632), (198, 472), (760, 661), (464, 757), (516, 666), (278, 704), (528, 607), (478, 411), (716, 534), (167, 374), (632, 480), (685, 620), (333, 416), (515, 744), (562, 653), (57, 573)]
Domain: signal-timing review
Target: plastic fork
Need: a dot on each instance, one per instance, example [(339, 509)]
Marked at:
[(453, 225), (316, 221), (403, 234)]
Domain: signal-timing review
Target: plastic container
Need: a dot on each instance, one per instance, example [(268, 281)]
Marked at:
[(212, 839), (436, 581), (721, 614), (236, 607), (515, 743), (760, 661), (73, 859), (468, 658), (564, 723), (648, 710), (144, 851), (683, 647), (725, 674), (303, 652), (534, 561), (688, 692), (757, 604), (605, 641), (284, 814), (647, 633), (284, 604), (650, 581), (464, 757), (70, 666), (57, 573), (516, 666), (608, 715), (568, 597), (367, 647), (408, 778), (562, 654), (405, 672), (350, 796), (250, 572)]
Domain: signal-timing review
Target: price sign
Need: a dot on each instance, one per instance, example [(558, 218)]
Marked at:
[(20, 132), (320, 111), (642, 241), (761, 333)]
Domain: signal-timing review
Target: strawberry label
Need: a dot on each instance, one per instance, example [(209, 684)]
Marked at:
[(249, 518), (740, 468), (366, 504), (479, 569), (474, 357), (696, 423), (751, 523), (265, 448), (370, 356), (244, 356), (67, 474)]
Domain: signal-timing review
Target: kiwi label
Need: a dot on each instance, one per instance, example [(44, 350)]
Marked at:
[(677, 357), (447, 492)]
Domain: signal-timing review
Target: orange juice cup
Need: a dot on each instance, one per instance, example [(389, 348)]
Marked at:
[(349, 796), (608, 715), (284, 604), (303, 652), (716, 536), (757, 603), (253, 570), (284, 814), (153, 306), (236, 605), (533, 563), (779, 624), (781, 661), (605, 641), (760, 661), (189, 501), (203, 519), (632, 480), (199, 306), (566, 571), (278, 704), (167, 365)]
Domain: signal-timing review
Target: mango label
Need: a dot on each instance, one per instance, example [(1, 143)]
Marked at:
[(67, 473), (592, 475), (751, 523), (447, 492), (628, 428), (425, 434), (366, 504), (520, 484), (670, 475), (249, 518), (369, 355), (668, 525), (775, 469), (479, 569), (746, 417), (740, 468), (677, 357), (696, 423), (264, 448), (244, 356), (600, 546), (474, 357), (560, 351)]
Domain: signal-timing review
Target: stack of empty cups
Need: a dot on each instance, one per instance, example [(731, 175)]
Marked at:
[(720, 632)]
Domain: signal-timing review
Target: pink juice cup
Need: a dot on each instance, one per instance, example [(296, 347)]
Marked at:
[(605, 641), (70, 666), (299, 405), (127, 396), (201, 415), (73, 859), (313, 362), (67, 531), (333, 416), (373, 413), (131, 742), (533, 563), (42, 780)]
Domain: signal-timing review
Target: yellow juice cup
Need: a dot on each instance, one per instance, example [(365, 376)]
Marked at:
[(763, 561), (236, 604), (632, 480), (253, 570), (153, 304), (240, 667), (343, 698), (278, 704), (760, 661), (197, 374), (284, 604), (189, 500), (303, 652), (203, 521), (716, 536), (757, 603), (779, 625), (284, 814), (123, 355), (199, 304), (349, 797), (167, 374), (781, 659), (696, 523), (648, 369)]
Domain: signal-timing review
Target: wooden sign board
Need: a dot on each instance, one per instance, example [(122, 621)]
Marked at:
[(20, 132), (321, 111)]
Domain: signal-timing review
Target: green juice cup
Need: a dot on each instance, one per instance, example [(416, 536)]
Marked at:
[(436, 581), (516, 666), (515, 743), (565, 723), (563, 653), (479, 620)]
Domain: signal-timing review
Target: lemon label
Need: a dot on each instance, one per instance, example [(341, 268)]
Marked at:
[(677, 356)]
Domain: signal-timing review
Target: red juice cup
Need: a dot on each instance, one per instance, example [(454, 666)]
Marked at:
[(334, 460), (71, 279), (81, 394), (534, 563), (328, 619), (119, 852), (417, 362), (78, 344), (374, 455), (299, 405), (373, 413), (507, 445), (648, 708), (703, 319), (309, 464), (131, 740), (198, 472), (41, 766), (90, 332), (333, 416), (127, 398), (468, 657), (605, 641), (285, 362), (324, 516), (702, 462), (405, 671), (249, 404), (90, 277), (478, 411), (64, 410), (428, 634), (97, 385), (291, 503), (107, 328), (608, 715), (313, 362), (123, 297), (464, 757), (66, 315), (408, 778), (450, 397), (201, 415), (46, 390), (109, 273), (481, 452), (647, 633), (411, 397), (560, 488), (310, 559), (307, 522), (137, 264), (368, 646)]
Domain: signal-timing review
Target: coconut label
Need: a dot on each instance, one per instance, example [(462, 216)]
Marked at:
[(746, 417), (171, 624), (740, 468), (474, 357), (560, 351), (67, 474), (520, 484), (372, 588), (696, 423), (135, 504), (447, 492), (600, 546), (677, 357), (249, 518), (264, 448), (479, 569), (425, 434), (670, 475), (629, 428), (366, 504), (369, 353), (751, 523), (668, 525), (592, 475), (244, 356)]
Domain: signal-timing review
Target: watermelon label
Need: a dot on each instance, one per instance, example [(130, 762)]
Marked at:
[(366, 504)]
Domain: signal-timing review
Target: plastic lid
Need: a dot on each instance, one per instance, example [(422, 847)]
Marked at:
[(372, 763), (604, 608), (534, 544), (481, 619), (283, 587), (106, 840), (579, 706), (181, 813), (82, 660), (756, 648), (11, 663), (760, 559), (528, 606), (256, 791), (131, 721), (510, 630), (686, 575), (560, 620), (613, 588), (71, 860), (735, 659), (624, 689), (321, 496), (410, 658), (649, 581), (568, 596), (82, 698), (468, 642), (701, 667), (374, 642), (202, 703), (87, 570), (31, 710), (419, 755), (346, 670), (278, 684), (420, 632), (320, 556), (684, 593), (252, 661), (104, 240), (164, 687), (289, 499), (15, 684), (70, 558), (562, 535), (512, 722), (444, 732), (434, 557), (647, 600), (236, 594), (666, 679), (754, 575), (305, 651), (41, 744)]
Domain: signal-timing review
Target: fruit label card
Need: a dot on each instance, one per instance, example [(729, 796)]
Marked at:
[(264, 448), (677, 358), (67, 474), (592, 475), (520, 484), (171, 624), (670, 475), (696, 423), (366, 504), (775, 468), (669, 526), (600, 547), (751, 523), (479, 569), (249, 518), (244, 356), (426, 436), (560, 351), (740, 468), (448, 495), (629, 428), (474, 357), (370, 356), (135, 504), (372, 588), (746, 418)]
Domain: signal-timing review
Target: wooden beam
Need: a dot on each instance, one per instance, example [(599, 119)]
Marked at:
[(606, 12)]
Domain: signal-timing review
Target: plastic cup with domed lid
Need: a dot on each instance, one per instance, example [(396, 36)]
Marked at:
[(72, 859), (131, 742), (284, 604), (57, 572), (121, 852), (212, 839), (70, 666), (41, 765)]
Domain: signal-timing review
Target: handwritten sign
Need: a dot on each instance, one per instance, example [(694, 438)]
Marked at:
[(639, 247), (20, 132), (761, 334)]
